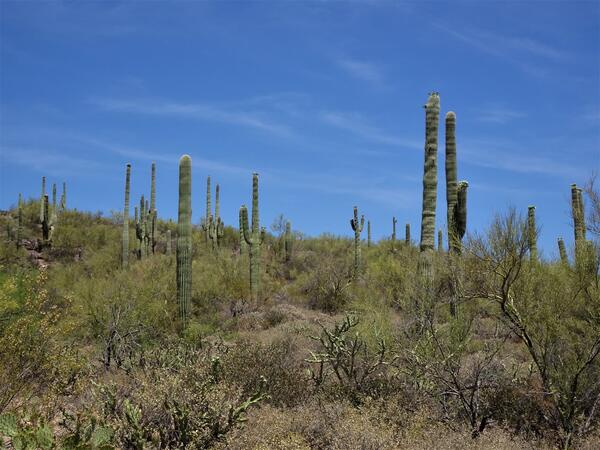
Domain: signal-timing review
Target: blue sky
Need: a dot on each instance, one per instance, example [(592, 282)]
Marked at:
[(323, 99)]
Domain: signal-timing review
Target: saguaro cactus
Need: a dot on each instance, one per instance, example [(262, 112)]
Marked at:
[(460, 216), (243, 245), (368, 233), (63, 197), (141, 228), (207, 214), (452, 188), (288, 241), (45, 220), (394, 221), (531, 233), (254, 237), (432, 111), (216, 227), (184, 239), (125, 253), (578, 217), (357, 227), (42, 199), (562, 251), (407, 234), (153, 215), (53, 197)]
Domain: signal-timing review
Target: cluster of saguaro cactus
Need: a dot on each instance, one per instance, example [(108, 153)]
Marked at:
[(531, 233), (125, 251), (288, 242), (456, 192), (357, 227), (215, 223), (184, 239), (254, 238), (146, 220)]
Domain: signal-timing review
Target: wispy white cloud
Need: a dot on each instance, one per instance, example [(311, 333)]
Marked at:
[(357, 125), (363, 70), (498, 114), (49, 161), (196, 111)]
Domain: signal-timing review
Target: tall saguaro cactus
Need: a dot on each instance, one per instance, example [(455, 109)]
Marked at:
[(394, 221), (288, 242), (42, 199), (577, 211), (243, 245), (254, 237), (432, 111), (208, 213), (357, 227), (562, 251), (531, 233), (184, 239), (407, 234), (63, 197), (125, 253), (53, 197), (216, 227), (45, 220)]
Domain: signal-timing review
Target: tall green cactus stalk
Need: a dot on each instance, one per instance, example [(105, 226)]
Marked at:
[(243, 245), (19, 221), (440, 246), (63, 197), (136, 221), (581, 212), (288, 242), (53, 197), (168, 243), (254, 237), (42, 199), (152, 214), (407, 234), (578, 217), (125, 252), (451, 182), (368, 233), (432, 112), (562, 251), (394, 221), (184, 239), (208, 214), (45, 220), (140, 229), (460, 216), (357, 227), (531, 233), (216, 227)]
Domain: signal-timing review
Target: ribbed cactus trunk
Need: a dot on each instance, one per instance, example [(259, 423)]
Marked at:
[(531, 233), (125, 252), (288, 242), (451, 181), (42, 199), (53, 197), (578, 218), (562, 251), (407, 234), (168, 243), (368, 233), (63, 197), (243, 244), (394, 221), (460, 218), (45, 220), (254, 237), (184, 240), (207, 213), (153, 214), (357, 227), (141, 230), (19, 221), (137, 227), (432, 111)]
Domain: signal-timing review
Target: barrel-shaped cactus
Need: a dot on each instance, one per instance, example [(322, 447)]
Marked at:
[(125, 250), (184, 239), (531, 233), (357, 227), (254, 237), (432, 111)]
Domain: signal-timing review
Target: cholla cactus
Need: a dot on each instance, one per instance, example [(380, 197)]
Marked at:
[(254, 237), (184, 239), (125, 251), (357, 227)]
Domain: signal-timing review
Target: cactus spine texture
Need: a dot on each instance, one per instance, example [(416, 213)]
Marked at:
[(578, 217), (254, 237), (432, 111), (394, 221), (288, 242), (357, 227), (562, 251), (243, 245), (407, 234), (125, 254), (368, 233), (531, 233), (184, 239)]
